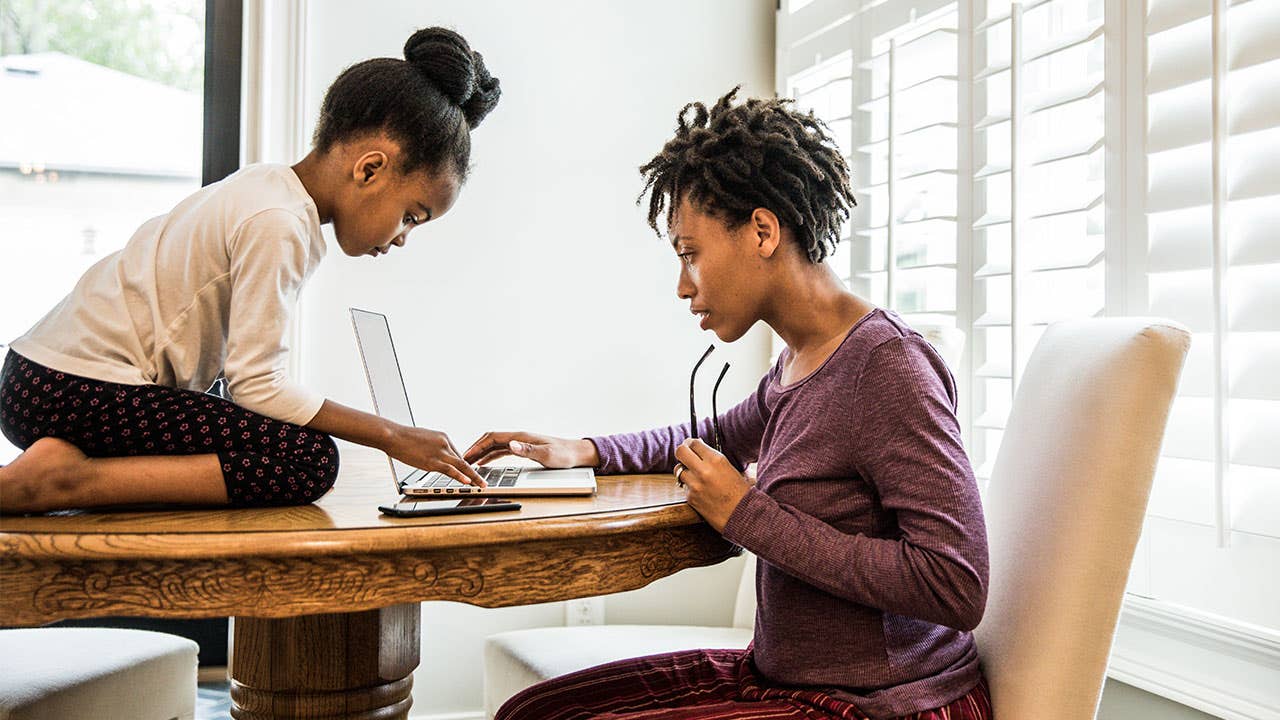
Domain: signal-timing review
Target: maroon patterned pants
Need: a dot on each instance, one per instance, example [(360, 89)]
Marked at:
[(698, 685), (264, 462)]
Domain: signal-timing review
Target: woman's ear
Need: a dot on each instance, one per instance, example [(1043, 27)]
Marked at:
[(369, 167), (767, 231)]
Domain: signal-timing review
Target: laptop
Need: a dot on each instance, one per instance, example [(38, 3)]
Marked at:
[(386, 385)]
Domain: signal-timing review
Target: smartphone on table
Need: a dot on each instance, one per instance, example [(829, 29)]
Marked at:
[(423, 508)]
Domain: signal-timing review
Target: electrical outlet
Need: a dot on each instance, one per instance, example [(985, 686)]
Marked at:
[(584, 611)]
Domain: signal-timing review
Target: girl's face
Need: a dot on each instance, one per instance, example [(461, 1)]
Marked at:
[(721, 269), (380, 206)]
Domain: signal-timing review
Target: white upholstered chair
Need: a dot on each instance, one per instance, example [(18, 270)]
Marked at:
[(96, 674), (517, 659), (1065, 507)]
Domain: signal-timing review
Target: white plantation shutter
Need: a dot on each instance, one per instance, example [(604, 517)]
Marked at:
[(884, 76), (1212, 540), (1016, 165), (1038, 191), (982, 211)]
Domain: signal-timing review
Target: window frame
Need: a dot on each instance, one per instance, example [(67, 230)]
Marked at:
[(223, 58)]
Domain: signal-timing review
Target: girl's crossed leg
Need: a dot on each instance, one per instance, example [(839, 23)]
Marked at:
[(89, 442)]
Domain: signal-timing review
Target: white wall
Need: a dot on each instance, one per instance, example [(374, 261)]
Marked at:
[(546, 252)]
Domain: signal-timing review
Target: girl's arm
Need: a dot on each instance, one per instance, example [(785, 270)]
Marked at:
[(268, 265), (269, 255), (419, 447)]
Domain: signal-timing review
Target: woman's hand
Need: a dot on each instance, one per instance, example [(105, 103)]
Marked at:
[(715, 485), (431, 450), (552, 452)]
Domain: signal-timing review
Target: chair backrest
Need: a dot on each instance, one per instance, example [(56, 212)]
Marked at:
[(744, 606), (1065, 507)]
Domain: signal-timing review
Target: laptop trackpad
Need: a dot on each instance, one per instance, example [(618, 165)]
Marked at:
[(555, 478)]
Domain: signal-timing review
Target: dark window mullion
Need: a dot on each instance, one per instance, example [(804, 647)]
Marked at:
[(222, 51)]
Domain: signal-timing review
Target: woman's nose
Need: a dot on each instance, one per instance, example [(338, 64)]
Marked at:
[(684, 286)]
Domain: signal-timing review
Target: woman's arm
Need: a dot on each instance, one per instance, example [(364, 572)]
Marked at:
[(649, 451), (654, 451), (932, 564)]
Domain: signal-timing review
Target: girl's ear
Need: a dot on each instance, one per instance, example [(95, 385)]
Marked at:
[(369, 167), (767, 231)]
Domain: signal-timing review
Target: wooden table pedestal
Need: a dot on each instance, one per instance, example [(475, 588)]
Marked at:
[(356, 665)]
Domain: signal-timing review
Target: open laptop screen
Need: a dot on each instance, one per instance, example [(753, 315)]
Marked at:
[(390, 400)]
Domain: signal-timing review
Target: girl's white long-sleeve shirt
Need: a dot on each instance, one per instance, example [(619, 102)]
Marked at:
[(207, 289)]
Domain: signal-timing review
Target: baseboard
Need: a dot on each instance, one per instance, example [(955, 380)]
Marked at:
[(1215, 665), (211, 674), (477, 715)]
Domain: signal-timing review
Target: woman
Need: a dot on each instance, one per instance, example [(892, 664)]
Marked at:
[(865, 516)]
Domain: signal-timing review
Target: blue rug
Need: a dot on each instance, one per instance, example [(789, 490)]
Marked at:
[(213, 701)]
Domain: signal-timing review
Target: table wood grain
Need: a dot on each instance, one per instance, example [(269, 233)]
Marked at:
[(342, 555)]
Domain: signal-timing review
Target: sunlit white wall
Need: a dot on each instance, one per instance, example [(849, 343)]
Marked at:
[(543, 300)]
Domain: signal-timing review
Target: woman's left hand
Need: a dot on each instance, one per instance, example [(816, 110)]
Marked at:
[(715, 485)]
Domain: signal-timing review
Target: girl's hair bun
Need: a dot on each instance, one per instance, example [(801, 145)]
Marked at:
[(445, 59)]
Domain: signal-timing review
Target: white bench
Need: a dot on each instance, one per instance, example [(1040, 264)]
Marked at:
[(518, 659), (96, 674)]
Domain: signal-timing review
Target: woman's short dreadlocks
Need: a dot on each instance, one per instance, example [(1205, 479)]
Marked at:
[(730, 160)]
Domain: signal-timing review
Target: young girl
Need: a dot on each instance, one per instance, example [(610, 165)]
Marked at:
[(865, 516), (105, 394)]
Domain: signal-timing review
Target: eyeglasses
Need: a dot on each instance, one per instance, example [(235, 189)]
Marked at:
[(715, 415)]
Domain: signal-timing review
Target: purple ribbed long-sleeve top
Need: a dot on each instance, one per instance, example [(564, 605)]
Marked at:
[(865, 518)]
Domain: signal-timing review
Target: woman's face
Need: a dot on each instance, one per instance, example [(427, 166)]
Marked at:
[(720, 270), (381, 206)]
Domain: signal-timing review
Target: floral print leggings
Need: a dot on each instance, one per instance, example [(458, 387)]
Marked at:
[(265, 462)]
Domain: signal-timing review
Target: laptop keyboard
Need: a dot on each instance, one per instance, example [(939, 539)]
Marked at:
[(493, 476)]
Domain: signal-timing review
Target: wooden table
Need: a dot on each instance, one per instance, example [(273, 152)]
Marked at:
[(325, 598)]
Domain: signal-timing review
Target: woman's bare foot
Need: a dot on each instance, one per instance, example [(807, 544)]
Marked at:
[(50, 475)]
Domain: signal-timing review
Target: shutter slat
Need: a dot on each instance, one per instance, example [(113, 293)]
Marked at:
[(1253, 165), (1255, 98), (1254, 357), (1163, 15), (1176, 240), (1255, 499), (1254, 299), (1180, 117), (1180, 56), (1179, 179), (1253, 435), (1252, 231), (1186, 297), (1252, 30)]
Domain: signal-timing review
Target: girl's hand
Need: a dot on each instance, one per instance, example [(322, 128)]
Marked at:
[(715, 485), (431, 450), (548, 451)]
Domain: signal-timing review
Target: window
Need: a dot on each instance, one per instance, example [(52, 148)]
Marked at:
[(1213, 263), (104, 124), (1000, 150), (981, 193)]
